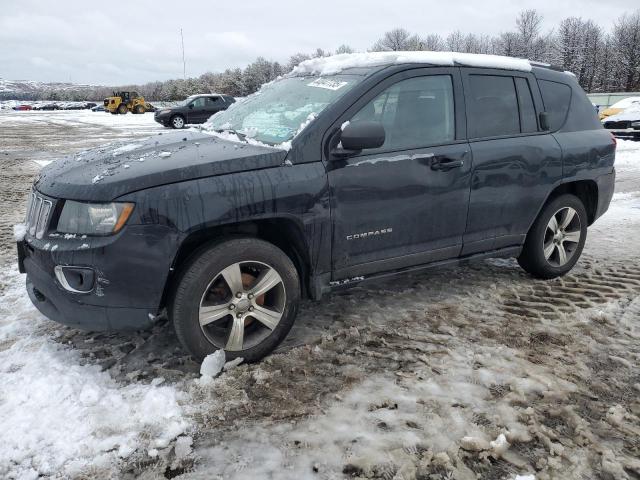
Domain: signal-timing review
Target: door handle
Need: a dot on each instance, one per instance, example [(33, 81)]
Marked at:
[(446, 163)]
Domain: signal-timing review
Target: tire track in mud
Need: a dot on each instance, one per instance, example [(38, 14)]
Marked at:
[(554, 299)]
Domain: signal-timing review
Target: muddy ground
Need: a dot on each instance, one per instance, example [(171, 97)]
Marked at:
[(474, 372)]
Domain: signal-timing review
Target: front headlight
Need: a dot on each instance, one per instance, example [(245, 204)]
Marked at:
[(93, 218), (635, 124), (164, 112)]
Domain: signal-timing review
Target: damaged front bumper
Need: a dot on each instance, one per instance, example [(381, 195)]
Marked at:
[(100, 283)]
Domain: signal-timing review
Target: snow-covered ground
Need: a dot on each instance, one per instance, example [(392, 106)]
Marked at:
[(464, 373)]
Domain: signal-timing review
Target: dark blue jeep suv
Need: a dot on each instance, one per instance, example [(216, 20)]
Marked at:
[(351, 168)]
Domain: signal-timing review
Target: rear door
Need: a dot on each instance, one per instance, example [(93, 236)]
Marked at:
[(515, 164), (213, 105), (405, 203)]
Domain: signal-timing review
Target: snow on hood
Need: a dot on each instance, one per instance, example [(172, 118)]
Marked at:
[(337, 63), (630, 114)]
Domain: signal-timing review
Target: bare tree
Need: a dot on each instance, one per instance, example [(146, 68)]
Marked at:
[(344, 49), (396, 40), (433, 42), (455, 41), (626, 38)]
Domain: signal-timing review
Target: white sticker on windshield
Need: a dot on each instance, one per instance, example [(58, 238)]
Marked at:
[(327, 83)]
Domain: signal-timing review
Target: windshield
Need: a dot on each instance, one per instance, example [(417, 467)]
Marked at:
[(280, 109), (626, 102), (187, 101)]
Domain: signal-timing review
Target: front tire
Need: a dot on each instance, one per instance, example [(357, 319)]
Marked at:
[(177, 122), (139, 109), (122, 109), (556, 239), (240, 295)]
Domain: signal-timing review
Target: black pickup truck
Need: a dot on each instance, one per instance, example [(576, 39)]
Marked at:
[(349, 169)]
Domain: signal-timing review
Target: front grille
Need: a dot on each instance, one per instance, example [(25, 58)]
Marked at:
[(38, 214), (620, 124)]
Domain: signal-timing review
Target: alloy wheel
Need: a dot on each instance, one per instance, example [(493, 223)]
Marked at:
[(562, 236), (178, 122), (242, 305)]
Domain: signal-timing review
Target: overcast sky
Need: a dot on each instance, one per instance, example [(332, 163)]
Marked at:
[(117, 42)]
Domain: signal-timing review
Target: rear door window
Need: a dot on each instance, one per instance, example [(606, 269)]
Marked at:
[(556, 97), (492, 106), (416, 112), (213, 102), (528, 120)]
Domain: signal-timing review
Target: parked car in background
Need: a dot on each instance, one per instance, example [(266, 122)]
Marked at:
[(98, 108), (392, 163), (619, 107), (48, 106), (23, 107), (195, 109)]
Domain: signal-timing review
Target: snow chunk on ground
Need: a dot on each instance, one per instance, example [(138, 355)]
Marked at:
[(164, 154), (212, 365), (60, 417), (337, 63), (19, 231)]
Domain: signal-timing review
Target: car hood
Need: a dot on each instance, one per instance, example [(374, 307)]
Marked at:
[(105, 173), (630, 114)]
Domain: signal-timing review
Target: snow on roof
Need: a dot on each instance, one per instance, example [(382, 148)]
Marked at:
[(337, 63)]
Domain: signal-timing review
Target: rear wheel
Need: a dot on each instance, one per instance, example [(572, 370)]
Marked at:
[(177, 121), (556, 239), (239, 295), (122, 109)]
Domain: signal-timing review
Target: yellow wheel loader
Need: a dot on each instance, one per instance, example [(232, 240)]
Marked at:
[(123, 102)]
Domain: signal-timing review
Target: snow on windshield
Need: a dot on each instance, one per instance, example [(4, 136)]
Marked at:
[(337, 63), (281, 109)]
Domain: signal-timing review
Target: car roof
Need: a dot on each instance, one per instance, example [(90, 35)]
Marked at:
[(366, 63)]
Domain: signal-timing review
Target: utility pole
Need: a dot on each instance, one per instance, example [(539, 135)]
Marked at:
[(184, 65)]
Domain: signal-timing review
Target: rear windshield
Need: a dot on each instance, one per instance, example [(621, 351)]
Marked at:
[(556, 97), (280, 109)]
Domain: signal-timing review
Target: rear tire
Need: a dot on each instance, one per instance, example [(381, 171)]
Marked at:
[(177, 122), (556, 239), (240, 295), (122, 109)]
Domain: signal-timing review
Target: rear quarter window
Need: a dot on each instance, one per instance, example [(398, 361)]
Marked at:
[(557, 98)]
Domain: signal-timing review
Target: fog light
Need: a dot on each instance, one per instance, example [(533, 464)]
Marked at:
[(75, 279)]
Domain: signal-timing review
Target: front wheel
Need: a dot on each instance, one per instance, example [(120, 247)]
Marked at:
[(177, 122), (556, 239), (122, 109), (239, 295)]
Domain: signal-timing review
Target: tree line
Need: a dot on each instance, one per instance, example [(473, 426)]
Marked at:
[(603, 61)]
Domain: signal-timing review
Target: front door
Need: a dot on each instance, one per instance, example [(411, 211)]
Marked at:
[(212, 105), (197, 111), (406, 202)]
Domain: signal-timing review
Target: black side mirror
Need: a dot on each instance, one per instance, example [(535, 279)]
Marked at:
[(358, 136), (543, 117), (191, 106)]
